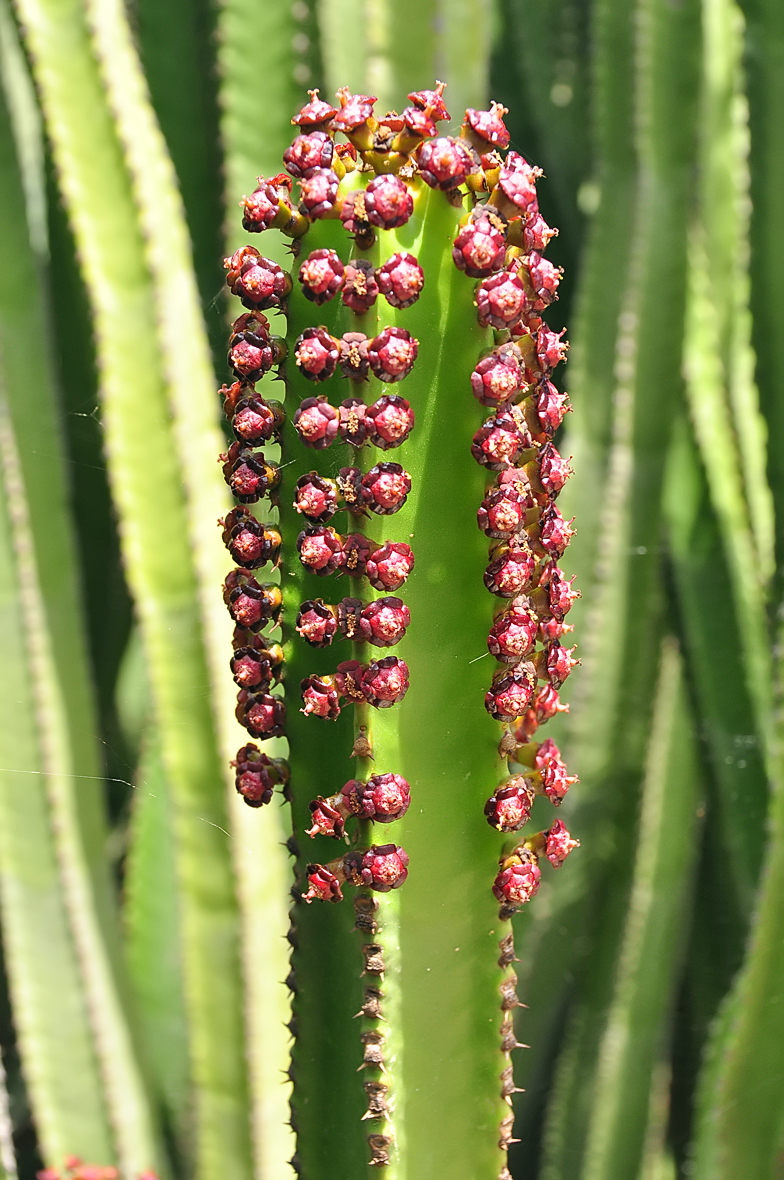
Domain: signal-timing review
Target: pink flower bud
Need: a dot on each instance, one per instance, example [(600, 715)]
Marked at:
[(509, 808), (316, 113), (360, 289), (390, 565), (357, 550), (559, 844), (320, 697), (502, 512), (537, 234), (513, 635), (313, 150), (267, 206), (555, 533), (518, 880), (354, 361), (316, 497), (382, 867), (321, 276), (487, 128), (384, 622), (261, 714), (388, 202), (445, 162), (559, 663), (553, 470), (316, 623), (544, 278), (383, 798), (392, 354), (356, 111), (511, 570), (559, 591), (318, 192), (517, 182), (551, 406), (552, 769), (323, 885), (511, 692), (480, 245), (327, 821), (498, 378), (390, 420), (547, 703), (550, 348), (385, 488), (385, 682), (316, 354), (320, 550), (401, 280), (501, 300), (250, 543), (316, 422), (259, 282), (257, 775)]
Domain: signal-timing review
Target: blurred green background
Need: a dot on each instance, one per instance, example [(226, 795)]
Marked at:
[(653, 966)]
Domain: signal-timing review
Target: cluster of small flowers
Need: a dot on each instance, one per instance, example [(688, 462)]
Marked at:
[(389, 356), (500, 243), (255, 662)]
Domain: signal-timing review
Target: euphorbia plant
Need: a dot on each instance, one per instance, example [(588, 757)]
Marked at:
[(414, 641)]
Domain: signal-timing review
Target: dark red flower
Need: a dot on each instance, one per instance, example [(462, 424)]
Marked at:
[(360, 289), (382, 867), (350, 486), (316, 623), (259, 282), (517, 182), (513, 634), (390, 565), (511, 693), (502, 512), (316, 422), (323, 885), (321, 276), (266, 207), (316, 354), (316, 497), (250, 543), (480, 245), (385, 682), (354, 215), (383, 622), (544, 279), (318, 192), (257, 775), (252, 351), (392, 354), (357, 550), (555, 533), (547, 703), (537, 234), (251, 604), (551, 405), (550, 348), (511, 568), (349, 618), (255, 420), (432, 101), (559, 663), (254, 666), (559, 591), (320, 550), (246, 473), (509, 808), (354, 361), (553, 470), (388, 202), (487, 128), (401, 280), (389, 421), (320, 697), (316, 113), (327, 821), (313, 150), (385, 488), (262, 714), (353, 117), (500, 441), (383, 798), (445, 162), (552, 769)]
